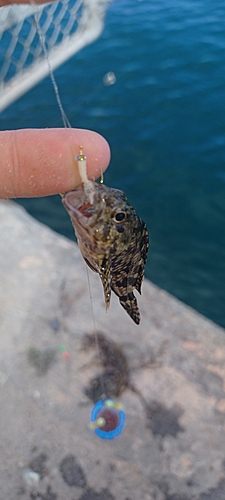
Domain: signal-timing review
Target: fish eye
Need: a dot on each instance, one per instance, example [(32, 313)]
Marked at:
[(120, 216)]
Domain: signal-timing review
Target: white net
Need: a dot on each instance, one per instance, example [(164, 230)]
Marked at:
[(66, 27)]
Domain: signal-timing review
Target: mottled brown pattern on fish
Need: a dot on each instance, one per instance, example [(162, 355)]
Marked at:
[(113, 241)]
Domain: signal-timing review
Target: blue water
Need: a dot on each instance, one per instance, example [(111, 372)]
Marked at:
[(165, 122)]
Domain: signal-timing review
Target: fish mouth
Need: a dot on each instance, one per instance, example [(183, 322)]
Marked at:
[(78, 205), (87, 210)]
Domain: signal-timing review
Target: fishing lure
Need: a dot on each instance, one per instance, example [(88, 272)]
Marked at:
[(112, 239)]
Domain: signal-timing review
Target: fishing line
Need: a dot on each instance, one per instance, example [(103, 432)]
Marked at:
[(67, 124), (103, 395), (107, 416), (82, 103), (65, 119), (6, 375)]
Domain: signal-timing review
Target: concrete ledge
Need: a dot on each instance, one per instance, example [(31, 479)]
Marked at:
[(169, 373)]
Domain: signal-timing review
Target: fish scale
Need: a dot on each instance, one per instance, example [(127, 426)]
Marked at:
[(112, 239)]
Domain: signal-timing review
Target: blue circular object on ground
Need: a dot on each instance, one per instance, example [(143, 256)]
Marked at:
[(113, 417)]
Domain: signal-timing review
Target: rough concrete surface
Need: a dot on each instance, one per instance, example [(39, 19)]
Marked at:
[(169, 373)]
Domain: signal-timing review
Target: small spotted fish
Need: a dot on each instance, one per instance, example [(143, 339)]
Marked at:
[(112, 239)]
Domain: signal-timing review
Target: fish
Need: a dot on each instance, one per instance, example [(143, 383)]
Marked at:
[(112, 239)]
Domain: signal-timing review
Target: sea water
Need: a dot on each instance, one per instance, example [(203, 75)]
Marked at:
[(165, 121)]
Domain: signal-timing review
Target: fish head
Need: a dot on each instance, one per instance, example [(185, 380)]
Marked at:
[(106, 223)]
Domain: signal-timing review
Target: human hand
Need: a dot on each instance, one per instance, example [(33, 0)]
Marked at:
[(41, 162)]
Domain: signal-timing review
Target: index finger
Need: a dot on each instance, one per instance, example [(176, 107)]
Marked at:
[(41, 162)]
